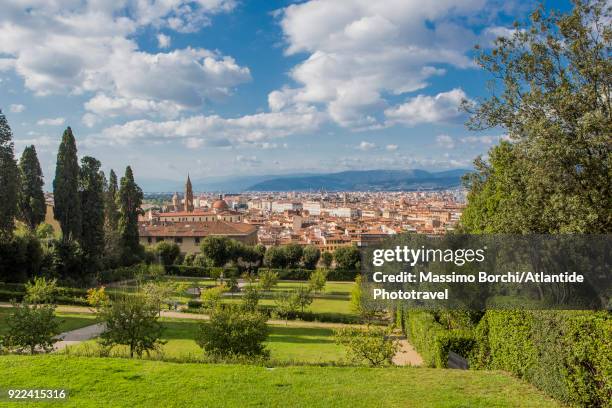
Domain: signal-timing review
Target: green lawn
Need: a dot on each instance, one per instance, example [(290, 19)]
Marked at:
[(94, 382), (68, 321), (321, 306), (288, 344)]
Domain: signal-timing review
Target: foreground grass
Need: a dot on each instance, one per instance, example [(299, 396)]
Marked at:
[(286, 344), (68, 321), (94, 382)]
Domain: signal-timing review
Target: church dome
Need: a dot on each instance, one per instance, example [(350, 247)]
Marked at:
[(220, 205)]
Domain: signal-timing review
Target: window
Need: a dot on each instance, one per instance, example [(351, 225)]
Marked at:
[(178, 240), (197, 240), (149, 240)]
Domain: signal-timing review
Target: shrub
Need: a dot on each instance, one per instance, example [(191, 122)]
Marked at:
[(168, 252), (131, 321), (267, 279), (211, 298), (250, 298), (372, 345), (434, 342), (41, 290), (96, 297), (567, 354), (31, 327), (327, 258), (347, 258), (317, 280), (233, 331)]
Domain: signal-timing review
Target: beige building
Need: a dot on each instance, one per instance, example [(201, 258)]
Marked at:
[(189, 235)]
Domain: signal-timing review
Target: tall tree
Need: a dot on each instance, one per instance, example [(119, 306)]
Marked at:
[(130, 200), (110, 203), (67, 207), (92, 208), (554, 99), (32, 205), (9, 181)]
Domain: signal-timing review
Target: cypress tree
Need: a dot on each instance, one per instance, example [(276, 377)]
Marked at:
[(32, 205), (110, 203), (66, 188), (130, 200), (92, 209), (9, 181)]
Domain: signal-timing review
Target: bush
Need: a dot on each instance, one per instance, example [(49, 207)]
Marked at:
[(267, 279), (317, 280), (433, 341), (372, 345), (131, 321), (31, 327), (567, 354), (168, 252), (232, 331)]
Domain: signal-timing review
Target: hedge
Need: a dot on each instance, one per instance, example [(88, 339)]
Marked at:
[(567, 354), (283, 274), (433, 341)]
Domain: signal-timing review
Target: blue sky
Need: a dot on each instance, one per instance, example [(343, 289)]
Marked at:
[(229, 87)]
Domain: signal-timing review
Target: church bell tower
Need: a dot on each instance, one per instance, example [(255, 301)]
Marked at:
[(188, 195)]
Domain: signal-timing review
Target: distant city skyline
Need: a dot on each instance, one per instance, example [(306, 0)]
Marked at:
[(237, 88)]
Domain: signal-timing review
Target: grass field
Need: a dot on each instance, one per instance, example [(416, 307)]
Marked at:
[(287, 344), (68, 321), (94, 382)]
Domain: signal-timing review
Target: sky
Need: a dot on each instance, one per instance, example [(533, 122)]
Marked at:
[(236, 87)]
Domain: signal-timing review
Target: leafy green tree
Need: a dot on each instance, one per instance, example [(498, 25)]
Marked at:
[(158, 293), (92, 210), (268, 279), (45, 231), (303, 297), (130, 200), (32, 206), (293, 254), (234, 332), (131, 321), (327, 258), (67, 208), (275, 257), (363, 303), (347, 258), (372, 345), (286, 304), (317, 280), (31, 327), (41, 290), (551, 95), (168, 252), (9, 181), (310, 256), (111, 211), (217, 249), (250, 298), (211, 298)]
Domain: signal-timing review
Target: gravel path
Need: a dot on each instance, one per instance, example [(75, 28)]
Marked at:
[(72, 337), (407, 355)]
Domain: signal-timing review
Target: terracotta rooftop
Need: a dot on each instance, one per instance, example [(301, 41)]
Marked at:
[(196, 229)]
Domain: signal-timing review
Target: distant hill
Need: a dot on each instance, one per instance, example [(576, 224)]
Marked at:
[(367, 180)]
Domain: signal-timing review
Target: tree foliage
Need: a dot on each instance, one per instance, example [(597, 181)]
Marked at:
[(131, 321), (111, 212), (91, 186), (373, 345), (67, 208), (310, 256), (31, 328), (217, 249), (553, 95), (347, 258), (9, 180), (32, 206), (130, 200)]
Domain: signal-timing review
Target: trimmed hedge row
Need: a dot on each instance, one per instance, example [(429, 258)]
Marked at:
[(567, 354), (283, 274), (433, 341)]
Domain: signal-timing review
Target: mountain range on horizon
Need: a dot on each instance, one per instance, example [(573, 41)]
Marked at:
[(352, 180)]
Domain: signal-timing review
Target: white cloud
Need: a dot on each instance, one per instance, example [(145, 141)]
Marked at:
[(78, 47), (163, 41), (51, 122), (17, 108), (484, 140), (359, 51), (443, 107), (365, 146), (215, 130), (248, 160), (391, 147), (445, 141)]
